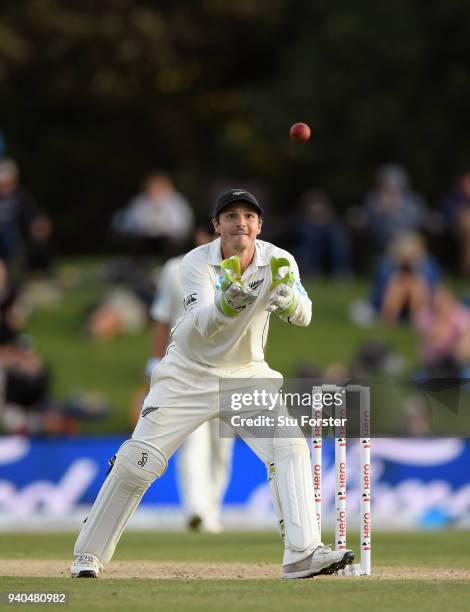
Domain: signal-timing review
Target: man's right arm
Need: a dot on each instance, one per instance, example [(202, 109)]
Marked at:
[(199, 299)]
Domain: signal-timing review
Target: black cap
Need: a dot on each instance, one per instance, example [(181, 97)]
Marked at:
[(235, 195)]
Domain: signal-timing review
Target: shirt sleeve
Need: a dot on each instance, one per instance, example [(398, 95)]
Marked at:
[(199, 303), (302, 315)]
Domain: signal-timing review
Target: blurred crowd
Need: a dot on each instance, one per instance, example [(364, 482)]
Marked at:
[(393, 237), (365, 236), (27, 281), (25, 251), (407, 250)]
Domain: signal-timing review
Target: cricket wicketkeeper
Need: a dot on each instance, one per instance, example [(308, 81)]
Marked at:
[(231, 287)]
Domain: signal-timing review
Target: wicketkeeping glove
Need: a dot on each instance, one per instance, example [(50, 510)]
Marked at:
[(233, 297), (283, 299)]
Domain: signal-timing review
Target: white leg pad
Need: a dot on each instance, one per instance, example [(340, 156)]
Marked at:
[(296, 494), (136, 466), (271, 468)]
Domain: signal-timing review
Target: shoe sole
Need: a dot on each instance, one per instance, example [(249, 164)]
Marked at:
[(85, 574), (347, 559)]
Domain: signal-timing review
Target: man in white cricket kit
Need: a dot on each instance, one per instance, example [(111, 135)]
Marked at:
[(230, 292), (204, 458)]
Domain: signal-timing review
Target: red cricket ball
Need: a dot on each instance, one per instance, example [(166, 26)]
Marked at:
[(300, 132)]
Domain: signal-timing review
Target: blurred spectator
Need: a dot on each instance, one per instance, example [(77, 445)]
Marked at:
[(26, 406), (39, 248), (416, 416), (376, 358), (23, 227), (136, 275), (457, 199), (23, 374), (119, 312), (8, 326), (320, 240), (444, 327), (336, 373), (456, 211), (392, 208), (160, 217), (406, 279), (124, 306)]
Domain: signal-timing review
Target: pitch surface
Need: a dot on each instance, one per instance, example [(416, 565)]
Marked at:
[(240, 571)]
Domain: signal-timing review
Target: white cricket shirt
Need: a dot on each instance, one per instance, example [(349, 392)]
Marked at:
[(209, 337)]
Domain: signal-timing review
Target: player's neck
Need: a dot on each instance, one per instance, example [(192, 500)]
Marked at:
[(245, 255)]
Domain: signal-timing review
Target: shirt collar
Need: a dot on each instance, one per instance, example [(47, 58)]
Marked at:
[(215, 254)]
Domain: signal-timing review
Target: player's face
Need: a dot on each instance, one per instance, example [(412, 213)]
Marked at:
[(238, 226)]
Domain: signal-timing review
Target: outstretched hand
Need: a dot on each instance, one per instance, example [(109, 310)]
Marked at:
[(238, 297), (282, 299), (233, 296)]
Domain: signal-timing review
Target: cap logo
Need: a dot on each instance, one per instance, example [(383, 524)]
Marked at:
[(238, 193)]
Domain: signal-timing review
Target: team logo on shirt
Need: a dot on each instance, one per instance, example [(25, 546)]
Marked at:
[(255, 284), (148, 410), (189, 300)]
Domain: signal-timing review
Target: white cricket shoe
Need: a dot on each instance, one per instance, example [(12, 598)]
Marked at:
[(323, 560), (86, 566)]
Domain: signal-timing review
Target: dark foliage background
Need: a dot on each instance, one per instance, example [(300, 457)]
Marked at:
[(95, 92)]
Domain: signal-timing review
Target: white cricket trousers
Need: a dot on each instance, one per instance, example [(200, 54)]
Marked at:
[(183, 395)]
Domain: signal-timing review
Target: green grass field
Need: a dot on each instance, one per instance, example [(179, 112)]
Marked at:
[(427, 571)]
